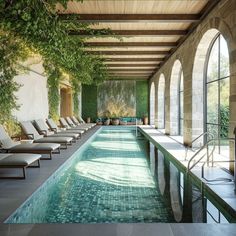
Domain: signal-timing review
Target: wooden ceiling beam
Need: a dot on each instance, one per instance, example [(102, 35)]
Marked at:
[(107, 60), (128, 52), (211, 4), (162, 18), (129, 69), (132, 77), (129, 74), (131, 44), (97, 32), (132, 65)]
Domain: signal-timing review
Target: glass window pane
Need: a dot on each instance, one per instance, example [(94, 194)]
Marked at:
[(212, 103), (212, 129), (213, 65), (224, 107), (224, 58)]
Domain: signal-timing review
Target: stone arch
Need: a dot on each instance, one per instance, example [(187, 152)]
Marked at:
[(174, 97), (198, 82), (161, 102), (213, 27)]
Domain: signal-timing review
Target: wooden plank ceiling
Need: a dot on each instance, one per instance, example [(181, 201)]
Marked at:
[(149, 31)]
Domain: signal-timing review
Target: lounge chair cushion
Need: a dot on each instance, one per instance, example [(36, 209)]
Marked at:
[(64, 123), (77, 122), (52, 125), (41, 126), (18, 159), (28, 128), (54, 140), (32, 147), (73, 118), (5, 139), (70, 122)]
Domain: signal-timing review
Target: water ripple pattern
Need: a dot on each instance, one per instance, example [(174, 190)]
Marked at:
[(110, 181)]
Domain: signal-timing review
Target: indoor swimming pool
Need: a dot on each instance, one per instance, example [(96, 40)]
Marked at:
[(117, 177)]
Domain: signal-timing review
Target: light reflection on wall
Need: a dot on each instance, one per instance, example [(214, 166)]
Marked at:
[(116, 99)]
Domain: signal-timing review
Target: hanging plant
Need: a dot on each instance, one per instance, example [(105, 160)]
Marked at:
[(36, 24), (10, 51)]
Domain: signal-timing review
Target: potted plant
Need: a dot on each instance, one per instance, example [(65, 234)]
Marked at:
[(145, 119), (115, 121), (107, 121), (88, 120)]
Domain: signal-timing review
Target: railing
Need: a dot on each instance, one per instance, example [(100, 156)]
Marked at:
[(219, 161), (206, 146), (210, 135)]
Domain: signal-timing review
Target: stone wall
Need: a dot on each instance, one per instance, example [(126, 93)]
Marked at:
[(191, 55)]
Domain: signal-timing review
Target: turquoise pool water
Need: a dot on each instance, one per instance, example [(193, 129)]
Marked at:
[(117, 178), (109, 181)]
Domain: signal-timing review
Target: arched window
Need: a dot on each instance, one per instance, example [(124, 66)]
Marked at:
[(181, 103), (176, 99), (152, 104), (217, 91), (161, 102)]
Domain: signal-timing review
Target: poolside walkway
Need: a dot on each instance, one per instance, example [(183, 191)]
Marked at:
[(14, 192), (222, 191)]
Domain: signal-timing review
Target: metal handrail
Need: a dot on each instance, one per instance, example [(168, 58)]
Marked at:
[(203, 134), (224, 161), (190, 146), (201, 149)]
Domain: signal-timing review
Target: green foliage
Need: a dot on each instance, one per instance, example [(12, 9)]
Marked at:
[(9, 54), (141, 99), (218, 108), (76, 87), (224, 121), (40, 27), (12, 127), (36, 24), (89, 99), (54, 77)]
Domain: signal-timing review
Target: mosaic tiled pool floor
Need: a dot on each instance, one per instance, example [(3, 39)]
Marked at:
[(109, 181)]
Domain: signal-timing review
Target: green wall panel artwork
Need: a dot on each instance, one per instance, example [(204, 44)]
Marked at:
[(115, 99), (89, 102), (141, 98)]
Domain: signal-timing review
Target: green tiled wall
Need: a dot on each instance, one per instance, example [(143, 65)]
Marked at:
[(141, 98), (89, 102)]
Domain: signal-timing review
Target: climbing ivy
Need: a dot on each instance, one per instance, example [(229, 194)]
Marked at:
[(53, 82), (36, 24), (76, 89)]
